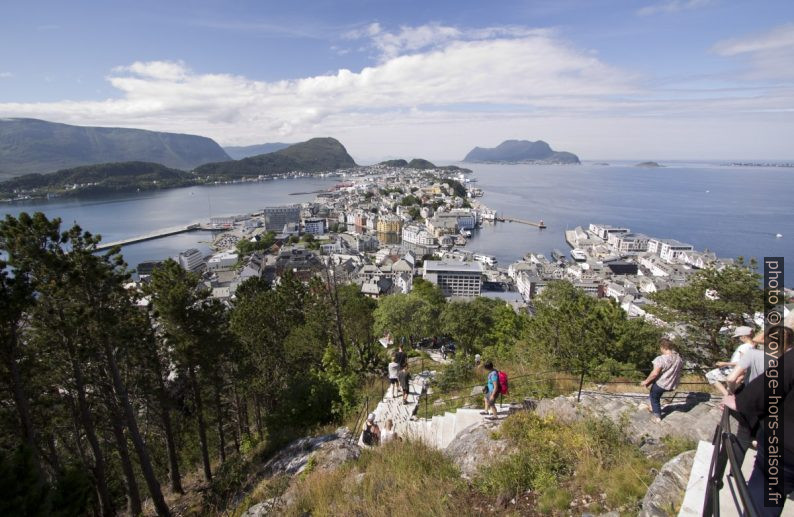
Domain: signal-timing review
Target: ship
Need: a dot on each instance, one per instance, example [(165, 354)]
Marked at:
[(578, 255), (558, 255)]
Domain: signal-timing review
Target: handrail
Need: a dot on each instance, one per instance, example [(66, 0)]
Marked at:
[(725, 445)]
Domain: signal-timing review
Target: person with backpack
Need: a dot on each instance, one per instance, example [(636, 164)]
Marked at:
[(400, 357), (371, 434), (405, 379), (492, 390)]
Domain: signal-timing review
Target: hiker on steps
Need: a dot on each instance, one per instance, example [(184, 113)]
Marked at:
[(389, 434), (394, 370), (665, 376), (491, 392), (400, 357), (405, 378)]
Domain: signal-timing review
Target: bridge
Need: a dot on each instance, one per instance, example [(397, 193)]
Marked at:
[(540, 224), (163, 232)]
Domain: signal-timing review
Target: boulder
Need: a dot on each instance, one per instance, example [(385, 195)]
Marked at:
[(475, 446), (665, 494), (325, 452)]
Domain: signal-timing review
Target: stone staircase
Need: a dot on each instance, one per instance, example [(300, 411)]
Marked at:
[(438, 431)]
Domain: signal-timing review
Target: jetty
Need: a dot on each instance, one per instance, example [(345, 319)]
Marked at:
[(505, 219), (163, 232)]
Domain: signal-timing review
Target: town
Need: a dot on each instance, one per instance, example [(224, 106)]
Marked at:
[(382, 227)]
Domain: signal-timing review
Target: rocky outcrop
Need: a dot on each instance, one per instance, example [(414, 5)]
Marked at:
[(329, 451), (477, 446), (688, 415), (667, 490)]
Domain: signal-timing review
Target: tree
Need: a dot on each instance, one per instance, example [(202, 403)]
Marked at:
[(403, 316), (712, 299)]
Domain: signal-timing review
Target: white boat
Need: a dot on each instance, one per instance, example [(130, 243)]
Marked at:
[(779, 236), (578, 255), (489, 260)]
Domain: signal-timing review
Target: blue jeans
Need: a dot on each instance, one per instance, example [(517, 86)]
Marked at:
[(756, 483), (656, 399)]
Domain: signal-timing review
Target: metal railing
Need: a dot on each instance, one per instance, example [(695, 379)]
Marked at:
[(727, 450)]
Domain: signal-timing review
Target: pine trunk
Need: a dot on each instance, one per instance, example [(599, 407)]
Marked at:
[(205, 456), (133, 494)]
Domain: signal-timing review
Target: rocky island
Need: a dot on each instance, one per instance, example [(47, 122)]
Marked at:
[(648, 165), (520, 151)]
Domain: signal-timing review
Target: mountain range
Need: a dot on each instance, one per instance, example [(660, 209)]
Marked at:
[(39, 146), (520, 151)]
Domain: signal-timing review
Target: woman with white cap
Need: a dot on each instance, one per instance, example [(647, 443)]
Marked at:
[(371, 434), (721, 373)]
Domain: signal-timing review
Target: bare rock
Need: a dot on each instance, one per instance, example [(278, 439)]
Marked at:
[(325, 452), (666, 492), (476, 446)]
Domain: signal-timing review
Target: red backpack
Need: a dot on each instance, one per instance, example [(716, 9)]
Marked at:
[(503, 387)]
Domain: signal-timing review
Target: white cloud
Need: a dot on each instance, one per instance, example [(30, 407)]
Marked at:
[(769, 54), (672, 6), (6, 75), (468, 85)]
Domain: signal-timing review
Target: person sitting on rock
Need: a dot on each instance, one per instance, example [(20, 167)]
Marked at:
[(719, 376), (388, 435), (665, 376), (371, 433)]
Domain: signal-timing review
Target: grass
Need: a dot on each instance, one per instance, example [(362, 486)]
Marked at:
[(588, 461), (399, 478)]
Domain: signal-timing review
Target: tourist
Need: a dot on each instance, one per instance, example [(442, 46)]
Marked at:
[(751, 406), (665, 376), (719, 375), (394, 370), (388, 434), (400, 357), (371, 433), (750, 366), (405, 378), (477, 359), (491, 391)]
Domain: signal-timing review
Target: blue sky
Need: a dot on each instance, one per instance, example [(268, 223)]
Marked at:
[(663, 79)]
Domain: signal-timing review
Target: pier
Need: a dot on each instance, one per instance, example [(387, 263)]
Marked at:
[(164, 232), (540, 224)]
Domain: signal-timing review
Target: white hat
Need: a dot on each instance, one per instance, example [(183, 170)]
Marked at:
[(742, 331), (371, 417)]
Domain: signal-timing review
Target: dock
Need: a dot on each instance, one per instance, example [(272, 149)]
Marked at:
[(540, 224), (163, 232)]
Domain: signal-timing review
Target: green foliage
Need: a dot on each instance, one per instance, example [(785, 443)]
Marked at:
[(104, 178), (457, 374), (315, 155), (404, 315), (575, 331), (457, 187), (410, 200), (711, 299), (248, 246)]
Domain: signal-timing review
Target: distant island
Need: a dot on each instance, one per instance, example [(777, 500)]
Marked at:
[(520, 151), (246, 151), (38, 146), (648, 164), (422, 164)]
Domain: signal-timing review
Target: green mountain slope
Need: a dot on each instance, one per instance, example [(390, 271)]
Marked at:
[(38, 146), (246, 151), (315, 155)]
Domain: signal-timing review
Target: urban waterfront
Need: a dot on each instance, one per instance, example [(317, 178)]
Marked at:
[(732, 211)]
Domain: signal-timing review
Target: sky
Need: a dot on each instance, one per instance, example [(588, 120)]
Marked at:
[(605, 79)]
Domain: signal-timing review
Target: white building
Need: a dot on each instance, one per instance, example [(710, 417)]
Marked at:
[(606, 230), (629, 242), (315, 226), (191, 260), (454, 278), (222, 261), (669, 249), (414, 234), (222, 222)]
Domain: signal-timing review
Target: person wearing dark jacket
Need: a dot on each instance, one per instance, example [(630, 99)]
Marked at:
[(751, 407)]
